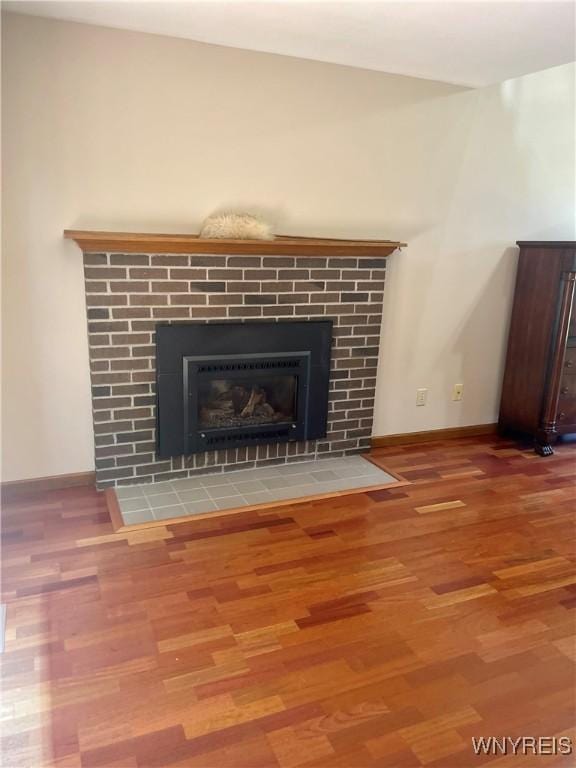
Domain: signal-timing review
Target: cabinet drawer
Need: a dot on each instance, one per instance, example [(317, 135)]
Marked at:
[(568, 386), (570, 359), (566, 410)]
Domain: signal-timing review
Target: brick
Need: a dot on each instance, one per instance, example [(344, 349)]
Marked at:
[(104, 273), (325, 274), (130, 286), (130, 259), (129, 461), (209, 312), (115, 474), (294, 298), (225, 274), (208, 261), (278, 261), (143, 325), (293, 274), (366, 351), (316, 285), (260, 274), (133, 413), (276, 311), (170, 286), (134, 437), (224, 299), (169, 260), (92, 259), (96, 286), (188, 274), (312, 262), (131, 389), (244, 311), (107, 326), (354, 297), (145, 400), (370, 285), (158, 466), (188, 299), (244, 261), (339, 263), (148, 273), (131, 312), (209, 287), (174, 313), (277, 287), (144, 376), (260, 299), (112, 402), (102, 416), (105, 300), (99, 339), (113, 450), (97, 314), (108, 353), (144, 351), (110, 378), (244, 287), (111, 427), (99, 365), (150, 300), (129, 365)]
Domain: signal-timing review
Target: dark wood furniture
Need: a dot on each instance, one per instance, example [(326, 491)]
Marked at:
[(539, 390)]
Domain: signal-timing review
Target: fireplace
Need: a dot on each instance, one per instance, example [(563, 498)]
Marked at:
[(230, 385)]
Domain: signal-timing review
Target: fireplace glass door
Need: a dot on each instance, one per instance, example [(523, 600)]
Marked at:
[(245, 399)]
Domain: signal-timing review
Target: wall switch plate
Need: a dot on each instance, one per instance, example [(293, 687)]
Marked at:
[(421, 396), (458, 392)]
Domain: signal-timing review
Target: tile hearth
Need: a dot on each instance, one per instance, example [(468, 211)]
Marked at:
[(141, 504)]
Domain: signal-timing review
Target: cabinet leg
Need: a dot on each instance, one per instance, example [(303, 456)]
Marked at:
[(543, 443)]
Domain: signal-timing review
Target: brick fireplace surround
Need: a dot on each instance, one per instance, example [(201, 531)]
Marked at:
[(128, 293)]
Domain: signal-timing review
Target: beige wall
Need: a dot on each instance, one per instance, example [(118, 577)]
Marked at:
[(117, 130)]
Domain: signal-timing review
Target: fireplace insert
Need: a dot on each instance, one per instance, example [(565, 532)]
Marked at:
[(226, 385)]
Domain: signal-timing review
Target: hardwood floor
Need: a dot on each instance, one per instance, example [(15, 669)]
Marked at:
[(380, 629)]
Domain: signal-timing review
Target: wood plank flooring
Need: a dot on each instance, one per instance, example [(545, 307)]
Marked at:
[(380, 629)]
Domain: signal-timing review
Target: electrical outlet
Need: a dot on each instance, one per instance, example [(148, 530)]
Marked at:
[(458, 392), (421, 396)]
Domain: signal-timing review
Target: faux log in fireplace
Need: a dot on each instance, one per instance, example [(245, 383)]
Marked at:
[(227, 385)]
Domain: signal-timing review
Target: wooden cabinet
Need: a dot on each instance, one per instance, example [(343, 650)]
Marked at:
[(539, 389)]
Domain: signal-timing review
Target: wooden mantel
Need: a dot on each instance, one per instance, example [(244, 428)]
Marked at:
[(128, 242)]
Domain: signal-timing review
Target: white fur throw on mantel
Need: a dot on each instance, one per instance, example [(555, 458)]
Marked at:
[(236, 226)]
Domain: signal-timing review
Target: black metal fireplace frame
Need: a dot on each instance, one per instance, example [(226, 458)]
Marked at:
[(183, 349)]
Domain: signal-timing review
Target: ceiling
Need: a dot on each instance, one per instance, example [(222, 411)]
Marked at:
[(470, 43)]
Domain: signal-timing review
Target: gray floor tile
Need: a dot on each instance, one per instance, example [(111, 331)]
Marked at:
[(197, 507), (231, 502), (197, 494), (222, 491), (133, 505), (282, 482), (142, 516), (258, 498), (154, 489), (163, 500), (174, 510), (324, 474), (249, 486), (186, 484), (129, 492), (209, 481)]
